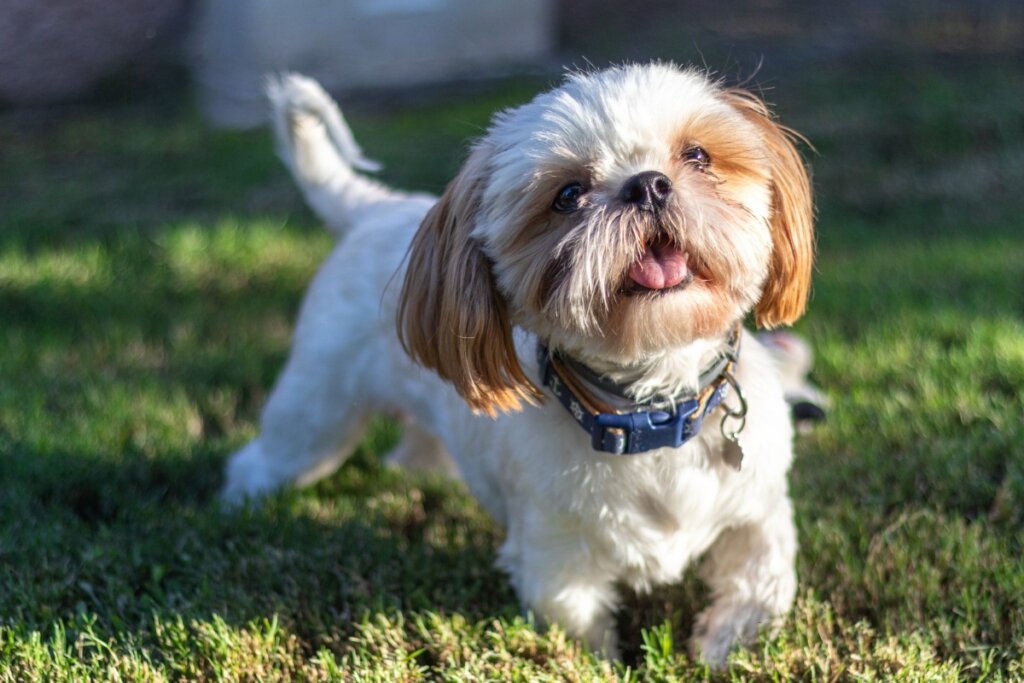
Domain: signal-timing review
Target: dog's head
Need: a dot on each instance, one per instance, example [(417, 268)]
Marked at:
[(627, 212)]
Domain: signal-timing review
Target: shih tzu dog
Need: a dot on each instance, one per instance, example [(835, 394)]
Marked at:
[(565, 324)]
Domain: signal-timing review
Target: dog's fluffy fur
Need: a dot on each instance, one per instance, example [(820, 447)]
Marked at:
[(493, 267)]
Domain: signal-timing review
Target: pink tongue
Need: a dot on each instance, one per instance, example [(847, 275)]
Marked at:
[(662, 266)]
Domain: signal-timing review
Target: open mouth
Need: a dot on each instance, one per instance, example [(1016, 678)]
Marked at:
[(662, 267)]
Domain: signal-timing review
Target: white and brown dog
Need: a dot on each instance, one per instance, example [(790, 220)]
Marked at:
[(567, 321)]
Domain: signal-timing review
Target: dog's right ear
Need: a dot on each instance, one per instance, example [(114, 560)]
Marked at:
[(451, 316)]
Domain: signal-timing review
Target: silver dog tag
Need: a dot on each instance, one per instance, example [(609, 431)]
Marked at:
[(733, 422), (732, 453)]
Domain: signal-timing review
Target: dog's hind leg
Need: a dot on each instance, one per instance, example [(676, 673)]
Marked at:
[(308, 428), (422, 450)]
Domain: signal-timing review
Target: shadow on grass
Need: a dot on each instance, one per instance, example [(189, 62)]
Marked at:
[(144, 539)]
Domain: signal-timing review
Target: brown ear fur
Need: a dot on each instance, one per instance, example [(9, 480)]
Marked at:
[(789, 274), (451, 317)]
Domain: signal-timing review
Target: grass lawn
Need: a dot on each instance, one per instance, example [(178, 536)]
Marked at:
[(150, 271)]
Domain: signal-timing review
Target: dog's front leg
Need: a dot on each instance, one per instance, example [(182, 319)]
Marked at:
[(560, 580), (750, 570)]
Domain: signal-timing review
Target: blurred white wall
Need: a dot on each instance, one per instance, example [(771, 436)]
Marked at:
[(355, 43)]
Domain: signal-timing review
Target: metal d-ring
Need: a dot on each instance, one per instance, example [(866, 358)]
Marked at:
[(740, 414)]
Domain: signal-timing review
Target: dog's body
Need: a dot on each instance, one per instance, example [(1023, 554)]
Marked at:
[(577, 521)]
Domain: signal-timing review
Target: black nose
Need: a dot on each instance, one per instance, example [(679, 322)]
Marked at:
[(648, 190)]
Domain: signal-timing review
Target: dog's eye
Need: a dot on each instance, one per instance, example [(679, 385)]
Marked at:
[(568, 198), (697, 156)]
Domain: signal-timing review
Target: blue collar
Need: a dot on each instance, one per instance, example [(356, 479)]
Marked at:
[(646, 427)]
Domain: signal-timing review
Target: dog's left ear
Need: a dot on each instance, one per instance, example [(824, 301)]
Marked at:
[(786, 289), (451, 316)]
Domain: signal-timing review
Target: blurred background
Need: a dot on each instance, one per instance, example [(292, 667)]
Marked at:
[(64, 50), (822, 65)]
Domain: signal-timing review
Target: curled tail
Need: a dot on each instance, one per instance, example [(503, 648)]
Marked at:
[(317, 145)]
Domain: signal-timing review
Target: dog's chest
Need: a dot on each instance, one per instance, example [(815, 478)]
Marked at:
[(667, 514)]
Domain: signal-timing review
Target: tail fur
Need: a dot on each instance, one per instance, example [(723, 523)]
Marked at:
[(318, 148)]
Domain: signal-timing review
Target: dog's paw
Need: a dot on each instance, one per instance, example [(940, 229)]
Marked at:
[(247, 477), (722, 628)]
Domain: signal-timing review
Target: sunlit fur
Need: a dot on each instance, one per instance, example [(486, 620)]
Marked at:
[(459, 325), (431, 309)]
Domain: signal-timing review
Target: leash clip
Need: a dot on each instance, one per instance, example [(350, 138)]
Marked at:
[(739, 414)]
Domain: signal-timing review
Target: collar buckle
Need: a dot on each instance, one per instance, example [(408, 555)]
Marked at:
[(631, 433)]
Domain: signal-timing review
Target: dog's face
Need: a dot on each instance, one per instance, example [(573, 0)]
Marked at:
[(628, 212)]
